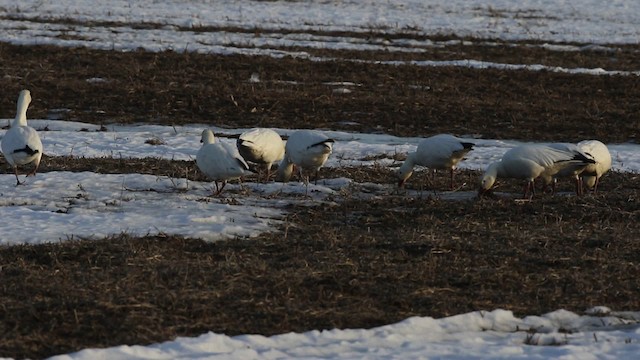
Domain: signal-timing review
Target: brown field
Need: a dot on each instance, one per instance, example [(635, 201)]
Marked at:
[(351, 263)]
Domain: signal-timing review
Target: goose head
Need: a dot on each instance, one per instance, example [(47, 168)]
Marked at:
[(403, 177), (24, 98), (406, 169), (285, 170), (488, 179), (207, 137)]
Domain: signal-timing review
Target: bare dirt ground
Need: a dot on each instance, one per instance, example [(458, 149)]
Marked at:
[(352, 264)]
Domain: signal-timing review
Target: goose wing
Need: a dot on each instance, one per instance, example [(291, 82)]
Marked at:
[(21, 144), (442, 151), (218, 163), (261, 145)]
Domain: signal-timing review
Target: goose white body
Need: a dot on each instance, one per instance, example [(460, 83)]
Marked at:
[(306, 149), (439, 152), (219, 162), (592, 172), (529, 162), (570, 171), (21, 145), (261, 146)]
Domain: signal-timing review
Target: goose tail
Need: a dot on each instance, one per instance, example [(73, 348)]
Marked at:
[(584, 158)]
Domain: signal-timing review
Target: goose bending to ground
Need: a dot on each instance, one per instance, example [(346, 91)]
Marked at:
[(436, 152), (219, 161), (21, 144), (531, 161), (261, 146), (307, 150), (592, 173), (571, 171), (588, 175)]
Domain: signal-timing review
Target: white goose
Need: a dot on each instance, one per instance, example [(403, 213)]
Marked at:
[(308, 150), (442, 151), (571, 171), (21, 144), (261, 146), (592, 173), (531, 161), (219, 161)]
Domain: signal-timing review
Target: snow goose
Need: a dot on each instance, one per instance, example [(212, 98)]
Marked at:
[(219, 161), (592, 173), (531, 161), (308, 150), (261, 146), (442, 151), (21, 144), (570, 171)]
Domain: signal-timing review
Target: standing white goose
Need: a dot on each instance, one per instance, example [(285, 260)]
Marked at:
[(219, 161), (592, 173), (306, 149), (442, 151), (261, 146), (531, 161), (21, 144)]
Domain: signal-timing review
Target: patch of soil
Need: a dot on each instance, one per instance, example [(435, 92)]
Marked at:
[(178, 88), (355, 263), (348, 265)]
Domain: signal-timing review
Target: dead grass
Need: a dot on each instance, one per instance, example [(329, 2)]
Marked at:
[(171, 88), (356, 263)]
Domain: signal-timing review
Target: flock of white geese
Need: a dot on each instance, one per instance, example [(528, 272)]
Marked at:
[(308, 150)]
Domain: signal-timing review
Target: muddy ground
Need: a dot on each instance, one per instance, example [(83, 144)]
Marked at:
[(354, 263)]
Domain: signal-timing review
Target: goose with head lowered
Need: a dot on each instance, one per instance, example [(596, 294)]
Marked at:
[(219, 162), (308, 150), (530, 161), (261, 146), (21, 144), (439, 152), (591, 174), (572, 171)]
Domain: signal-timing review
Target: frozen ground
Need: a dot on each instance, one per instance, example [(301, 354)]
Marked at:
[(66, 205), (60, 205), (90, 205), (271, 27), (478, 335)]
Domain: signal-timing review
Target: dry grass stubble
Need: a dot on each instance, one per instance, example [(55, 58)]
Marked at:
[(356, 263), (353, 263)]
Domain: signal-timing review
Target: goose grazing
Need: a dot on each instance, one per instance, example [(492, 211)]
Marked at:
[(436, 152), (261, 146), (571, 171), (308, 150), (529, 162), (592, 173), (219, 161), (21, 144)]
